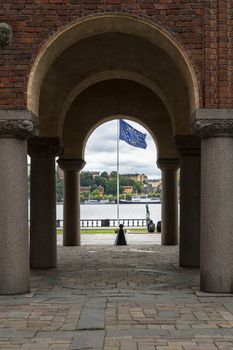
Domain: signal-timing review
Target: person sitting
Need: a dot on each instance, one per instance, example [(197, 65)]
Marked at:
[(120, 238), (159, 226), (151, 226)]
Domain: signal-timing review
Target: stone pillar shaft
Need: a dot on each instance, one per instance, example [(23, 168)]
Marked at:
[(43, 237), (215, 127), (169, 201), (71, 209), (14, 265), (15, 128), (217, 217), (190, 176), (71, 231)]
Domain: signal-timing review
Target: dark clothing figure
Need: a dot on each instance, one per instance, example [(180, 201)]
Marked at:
[(120, 238), (151, 226), (159, 226)]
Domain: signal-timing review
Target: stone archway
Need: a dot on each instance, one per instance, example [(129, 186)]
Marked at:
[(100, 50), (114, 48), (118, 23), (122, 97)]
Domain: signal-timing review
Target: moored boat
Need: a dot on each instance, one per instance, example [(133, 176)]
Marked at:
[(140, 200), (96, 201)]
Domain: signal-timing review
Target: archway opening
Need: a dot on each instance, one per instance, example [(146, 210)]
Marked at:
[(107, 66), (139, 185)]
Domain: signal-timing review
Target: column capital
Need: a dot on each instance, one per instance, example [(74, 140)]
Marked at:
[(17, 124), (168, 163), (189, 145), (44, 147), (213, 123), (71, 164)]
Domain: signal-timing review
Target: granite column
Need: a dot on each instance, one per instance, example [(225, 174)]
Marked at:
[(215, 127), (190, 176), (15, 128), (71, 168), (169, 215), (43, 237)]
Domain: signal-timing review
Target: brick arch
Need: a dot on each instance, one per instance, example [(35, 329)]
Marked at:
[(121, 23)]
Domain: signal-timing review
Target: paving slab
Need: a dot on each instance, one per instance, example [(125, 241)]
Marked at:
[(103, 297), (92, 340)]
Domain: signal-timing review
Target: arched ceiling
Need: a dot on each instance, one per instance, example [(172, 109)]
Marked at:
[(107, 100), (98, 25), (100, 55), (151, 78)]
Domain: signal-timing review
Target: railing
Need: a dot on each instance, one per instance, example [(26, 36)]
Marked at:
[(108, 223)]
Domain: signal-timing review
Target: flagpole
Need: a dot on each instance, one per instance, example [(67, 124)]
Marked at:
[(118, 176)]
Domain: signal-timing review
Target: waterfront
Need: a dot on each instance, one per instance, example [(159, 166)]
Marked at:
[(109, 211)]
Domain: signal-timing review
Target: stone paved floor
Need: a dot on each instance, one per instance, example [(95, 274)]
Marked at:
[(132, 238), (116, 298)]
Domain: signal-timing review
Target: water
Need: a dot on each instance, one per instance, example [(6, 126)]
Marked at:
[(109, 211)]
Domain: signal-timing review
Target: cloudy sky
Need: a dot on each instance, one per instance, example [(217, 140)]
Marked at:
[(101, 152)]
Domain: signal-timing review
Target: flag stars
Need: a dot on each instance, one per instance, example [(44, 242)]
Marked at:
[(132, 136)]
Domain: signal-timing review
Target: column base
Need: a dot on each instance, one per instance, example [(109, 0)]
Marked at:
[(216, 284)]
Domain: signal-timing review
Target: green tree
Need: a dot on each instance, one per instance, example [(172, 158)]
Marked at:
[(95, 194), (111, 187), (59, 190), (113, 174), (81, 197), (126, 181), (138, 187), (86, 178), (105, 175), (110, 197), (128, 196), (100, 181), (94, 187), (85, 195)]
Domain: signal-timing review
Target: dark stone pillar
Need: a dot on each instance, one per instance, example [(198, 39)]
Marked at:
[(169, 220), (190, 176), (215, 127), (15, 128), (43, 237), (71, 168)]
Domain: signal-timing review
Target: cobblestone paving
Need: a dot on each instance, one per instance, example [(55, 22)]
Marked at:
[(116, 298)]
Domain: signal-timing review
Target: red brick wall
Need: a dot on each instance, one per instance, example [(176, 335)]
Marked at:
[(218, 59), (204, 28)]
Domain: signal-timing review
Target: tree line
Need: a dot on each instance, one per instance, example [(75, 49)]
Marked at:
[(106, 180), (109, 182)]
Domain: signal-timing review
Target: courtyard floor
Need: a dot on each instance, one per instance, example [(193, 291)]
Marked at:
[(133, 297)]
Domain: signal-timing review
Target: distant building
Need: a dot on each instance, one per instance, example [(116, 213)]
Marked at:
[(147, 188), (127, 189), (86, 189), (95, 173), (136, 177), (101, 190), (156, 184)]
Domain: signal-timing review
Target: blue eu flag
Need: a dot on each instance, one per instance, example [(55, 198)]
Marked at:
[(132, 136)]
